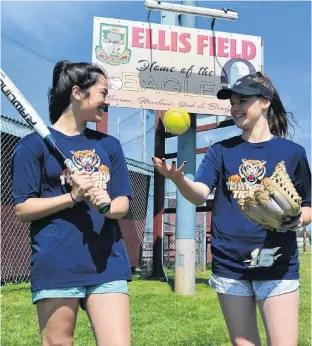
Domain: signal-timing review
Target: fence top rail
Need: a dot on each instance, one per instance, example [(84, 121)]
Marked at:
[(14, 121), (14, 127), (148, 169)]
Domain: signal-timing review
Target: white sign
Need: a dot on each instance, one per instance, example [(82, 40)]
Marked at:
[(158, 67)]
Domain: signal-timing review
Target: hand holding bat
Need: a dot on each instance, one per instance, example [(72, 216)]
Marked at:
[(81, 182), (97, 197)]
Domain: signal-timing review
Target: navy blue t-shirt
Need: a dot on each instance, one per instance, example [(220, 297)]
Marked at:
[(242, 249), (77, 246)]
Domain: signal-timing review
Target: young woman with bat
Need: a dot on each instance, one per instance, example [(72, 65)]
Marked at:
[(78, 255), (262, 185)]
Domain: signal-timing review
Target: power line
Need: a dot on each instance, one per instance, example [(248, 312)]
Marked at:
[(19, 44), (131, 140), (131, 116), (150, 129)]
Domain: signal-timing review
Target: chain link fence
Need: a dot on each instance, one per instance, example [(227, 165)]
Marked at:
[(169, 241), (138, 234), (137, 226), (136, 134), (15, 248), (169, 235)]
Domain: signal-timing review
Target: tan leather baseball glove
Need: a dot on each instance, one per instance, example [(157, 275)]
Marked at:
[(275, 204)]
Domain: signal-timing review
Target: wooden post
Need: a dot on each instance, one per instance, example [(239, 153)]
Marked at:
[(208, 233), (304, 239), (159, 198)]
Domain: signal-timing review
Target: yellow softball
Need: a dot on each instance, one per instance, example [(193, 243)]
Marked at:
[(177, 121)]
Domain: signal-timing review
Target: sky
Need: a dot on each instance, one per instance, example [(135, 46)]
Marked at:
[(63, 30)]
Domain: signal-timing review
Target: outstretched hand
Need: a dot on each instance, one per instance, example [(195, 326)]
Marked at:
[(169, 171)]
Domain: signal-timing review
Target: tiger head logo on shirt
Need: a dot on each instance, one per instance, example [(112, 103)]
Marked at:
[(89, 161), (86, 160), (251, 173)]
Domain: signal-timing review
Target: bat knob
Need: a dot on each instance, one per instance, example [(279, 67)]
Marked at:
[(104, 208)]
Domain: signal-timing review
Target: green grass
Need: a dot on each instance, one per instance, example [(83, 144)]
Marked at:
[(158, 316)]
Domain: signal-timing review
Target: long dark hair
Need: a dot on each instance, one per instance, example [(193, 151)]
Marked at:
[(66, 75), (277, 116)]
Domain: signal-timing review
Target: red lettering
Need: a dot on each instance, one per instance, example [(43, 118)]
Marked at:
[(222, 47), (209, 45), (186, 45), (248, 50), (212, 50), (136, 37), (174, 41), (148, 40), (202, 41), (162, 40), (233, 53)]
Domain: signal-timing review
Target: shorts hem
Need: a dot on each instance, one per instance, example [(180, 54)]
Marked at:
[(256, 276), (260, 289), (278, 294), (61, 285), (81, 292), (121, 292)]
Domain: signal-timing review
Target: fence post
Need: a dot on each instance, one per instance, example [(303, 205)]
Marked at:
[(304, 239)]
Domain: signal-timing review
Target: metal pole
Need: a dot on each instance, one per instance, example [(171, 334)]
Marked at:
[(144, 135), (304, 240), (204, 241), (186, 211), (118, 128)]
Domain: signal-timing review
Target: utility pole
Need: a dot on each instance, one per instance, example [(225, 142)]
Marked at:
[(144, 135), (118, 128)]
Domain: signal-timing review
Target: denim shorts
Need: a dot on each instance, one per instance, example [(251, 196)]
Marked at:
[(261, 289), (120, 286)]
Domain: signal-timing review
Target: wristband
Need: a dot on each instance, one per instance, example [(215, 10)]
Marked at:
[(73, 198)]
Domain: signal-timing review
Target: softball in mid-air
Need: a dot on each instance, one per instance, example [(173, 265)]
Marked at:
[(177, 121)]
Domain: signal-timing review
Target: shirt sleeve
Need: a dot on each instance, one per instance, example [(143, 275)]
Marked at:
[(120, 181), (302, 179), (26, 174), (208, 170)]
